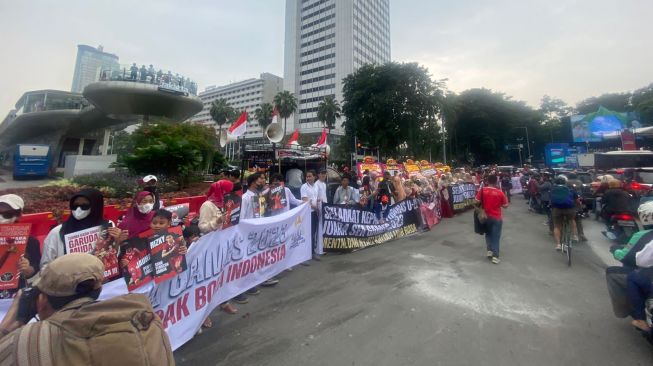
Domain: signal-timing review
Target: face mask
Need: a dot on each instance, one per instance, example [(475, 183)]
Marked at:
[(80, 214), (7, 221), (146, 208)]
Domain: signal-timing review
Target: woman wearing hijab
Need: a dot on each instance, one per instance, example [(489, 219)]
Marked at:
[(140, 215), (211, 211), (86, 208)]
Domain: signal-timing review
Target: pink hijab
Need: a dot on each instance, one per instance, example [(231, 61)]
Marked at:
[(218, 190), (136, 222)]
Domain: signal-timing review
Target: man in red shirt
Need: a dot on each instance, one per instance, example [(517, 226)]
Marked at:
[(492, 200)]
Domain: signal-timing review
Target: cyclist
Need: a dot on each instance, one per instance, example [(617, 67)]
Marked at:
[(563, 203), (576, 185)]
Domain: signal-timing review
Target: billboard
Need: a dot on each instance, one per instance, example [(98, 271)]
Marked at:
[(558, 155), (591, 127)]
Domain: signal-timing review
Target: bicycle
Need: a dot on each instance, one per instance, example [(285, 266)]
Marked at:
[(566, 239)]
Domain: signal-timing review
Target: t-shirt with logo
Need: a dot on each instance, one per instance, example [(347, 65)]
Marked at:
[(492, 199)]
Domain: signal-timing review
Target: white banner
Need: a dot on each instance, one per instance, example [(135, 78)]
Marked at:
[(222, 265)]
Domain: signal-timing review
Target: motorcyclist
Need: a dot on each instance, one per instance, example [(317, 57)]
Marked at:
[(615, 200), (577, 186)]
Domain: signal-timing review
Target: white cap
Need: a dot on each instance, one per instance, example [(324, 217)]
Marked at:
[(150, 177), (14, 201)]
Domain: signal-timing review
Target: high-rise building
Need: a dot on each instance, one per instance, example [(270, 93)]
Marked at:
[(244, 95), (89, 64), (326, 40)]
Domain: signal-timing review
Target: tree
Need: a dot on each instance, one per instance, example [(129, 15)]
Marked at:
[(221, 112), (642, 101), (618, 102), (553, 111), (328, 111), (389, 106), (172, 149), (286, 104), (263, 115)]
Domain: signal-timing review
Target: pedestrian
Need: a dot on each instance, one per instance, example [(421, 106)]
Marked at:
[(544, 187), (492, 200), (76, 329), (322, 186), (11, 208), (87, 207), (150, 183), (506, 185), (212, 210), (310, 194), (251, 207)]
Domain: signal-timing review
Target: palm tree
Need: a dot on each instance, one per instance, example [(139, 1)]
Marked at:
[(286, 104), (328, 111), (263, 115), (221, 112)]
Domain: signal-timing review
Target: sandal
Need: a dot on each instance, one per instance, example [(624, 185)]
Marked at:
[(641, 325), (228, 308), (208, 323)]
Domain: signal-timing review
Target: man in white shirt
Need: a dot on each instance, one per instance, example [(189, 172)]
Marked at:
[(309, 192), (255, 184), (322, 186)]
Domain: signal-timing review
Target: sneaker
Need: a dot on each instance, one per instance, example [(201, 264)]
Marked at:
[(316, 258), (496, 260), (253, 291), (583, 239), (558, 247), (241, 299), (271, 282), (489, 254)]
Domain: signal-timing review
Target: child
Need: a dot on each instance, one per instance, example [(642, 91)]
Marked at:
[(191, 234)]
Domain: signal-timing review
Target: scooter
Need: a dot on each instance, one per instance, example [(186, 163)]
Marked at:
[(621, 226)]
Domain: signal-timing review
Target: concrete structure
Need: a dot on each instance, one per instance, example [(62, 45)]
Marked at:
[(89, 65), (243, 95), (326, 40), (81, 124)]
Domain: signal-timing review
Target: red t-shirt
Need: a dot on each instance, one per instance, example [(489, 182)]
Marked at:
[(492, 201)]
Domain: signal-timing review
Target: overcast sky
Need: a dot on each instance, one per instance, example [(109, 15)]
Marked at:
[(570, 49)]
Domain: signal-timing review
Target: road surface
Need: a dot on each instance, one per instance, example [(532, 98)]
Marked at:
[(434, 299)]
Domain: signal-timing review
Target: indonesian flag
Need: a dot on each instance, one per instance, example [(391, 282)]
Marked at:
[(322, 141), (240, 126), (293, 138), (275, 115)]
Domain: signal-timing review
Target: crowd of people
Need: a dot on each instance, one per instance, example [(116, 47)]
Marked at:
[(557, 197)]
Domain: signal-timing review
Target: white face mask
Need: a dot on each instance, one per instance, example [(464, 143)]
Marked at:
[(8, 221), (80, 214), (146, 208)]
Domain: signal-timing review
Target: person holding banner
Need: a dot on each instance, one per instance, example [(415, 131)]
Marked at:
[(140, 215), (211, 211), (290, 199), (87, 208), (310, 194), (28, 263), (345, 195)]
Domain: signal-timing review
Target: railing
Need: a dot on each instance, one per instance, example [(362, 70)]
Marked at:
[(150, 76)]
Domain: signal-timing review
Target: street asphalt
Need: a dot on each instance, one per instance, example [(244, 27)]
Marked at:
[(434, 299)]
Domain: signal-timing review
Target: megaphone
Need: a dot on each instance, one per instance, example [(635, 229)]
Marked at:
[(274, 132), (226, 138)]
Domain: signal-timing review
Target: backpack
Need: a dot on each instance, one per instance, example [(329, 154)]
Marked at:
[(123, 330), (561, 197)]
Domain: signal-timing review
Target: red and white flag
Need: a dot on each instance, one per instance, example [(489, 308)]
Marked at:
[(275, 115), (293, 138), (322, 141), (240, 126)]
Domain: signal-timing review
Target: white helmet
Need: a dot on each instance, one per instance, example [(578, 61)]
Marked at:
[(645, 212), (562, 176)]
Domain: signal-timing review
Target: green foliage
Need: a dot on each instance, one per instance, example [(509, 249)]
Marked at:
[(286, 104), (328, 111), (642, 102), (390, 106), (263, 115), (618, 102), (119, 184), (221, 112), (122, 143), (174, 150)]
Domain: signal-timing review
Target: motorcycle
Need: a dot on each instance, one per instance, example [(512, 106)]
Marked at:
[(621, 226)]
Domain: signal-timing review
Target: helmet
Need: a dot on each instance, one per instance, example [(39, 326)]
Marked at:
[(561, 177), (645, 212)]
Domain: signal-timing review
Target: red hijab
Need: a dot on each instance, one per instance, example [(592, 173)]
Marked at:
[(136, 222), (218, 190)]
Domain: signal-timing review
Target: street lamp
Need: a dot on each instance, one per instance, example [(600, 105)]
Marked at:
[(528, 142)]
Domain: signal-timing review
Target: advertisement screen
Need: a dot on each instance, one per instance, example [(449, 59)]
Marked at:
[(593, 126)]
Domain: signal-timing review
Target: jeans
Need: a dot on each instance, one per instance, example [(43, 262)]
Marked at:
[(639, 289), (493, 235)]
